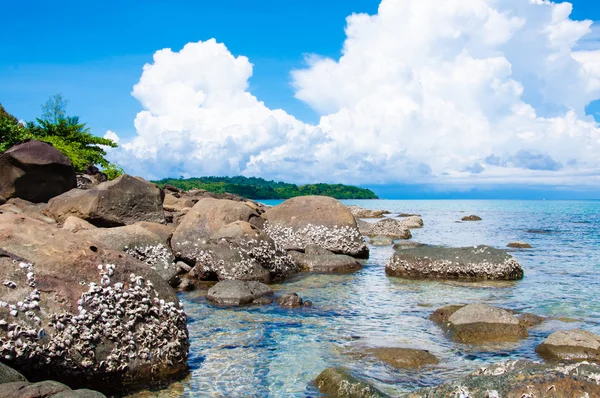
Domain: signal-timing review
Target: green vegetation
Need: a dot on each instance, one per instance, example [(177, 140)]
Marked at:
[(113, 171), (258, 188), (66, 133)]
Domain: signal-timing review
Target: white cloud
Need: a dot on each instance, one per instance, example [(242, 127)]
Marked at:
[(111, 135), (424, 91)]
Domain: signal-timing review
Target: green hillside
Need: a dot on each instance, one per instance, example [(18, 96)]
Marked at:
[(259, 188)]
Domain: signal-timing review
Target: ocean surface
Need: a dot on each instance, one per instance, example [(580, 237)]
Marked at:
[(273, 352)]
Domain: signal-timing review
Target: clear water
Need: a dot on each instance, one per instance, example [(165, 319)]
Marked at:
[(273, 352)]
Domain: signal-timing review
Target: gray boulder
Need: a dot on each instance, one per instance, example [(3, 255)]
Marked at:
[(232, 292), (360, 212), (290, 300), (35, 171), (381, 240), (392, 228), (469, 263), (325, 263), (571, 345), (316, 220), (123, 201)]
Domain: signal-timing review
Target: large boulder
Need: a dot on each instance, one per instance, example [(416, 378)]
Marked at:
[(470, 263), (217, 236), (75, 311), (521, 379), (364, 227), (404, 358), (148, 242), (391, 227), (337, 382), (315, 220), (481, 323), (123, 201), (231, 292), (9, 375), (35, 171), (571, 345), (26, 208), (44, 389)]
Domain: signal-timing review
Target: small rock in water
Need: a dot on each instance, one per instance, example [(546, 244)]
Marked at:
[(232, 292), (571, 345), (519, 245), (472, 217), (291, 300), (338, 382), (404, 358)]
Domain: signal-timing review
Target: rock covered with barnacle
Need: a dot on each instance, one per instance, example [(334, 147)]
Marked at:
[(315, 220), (75, 311), (469, 263)]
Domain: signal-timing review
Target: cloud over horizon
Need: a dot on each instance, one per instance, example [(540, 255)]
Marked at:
[(459, 92)]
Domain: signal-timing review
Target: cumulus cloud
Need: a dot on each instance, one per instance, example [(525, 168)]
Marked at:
[(466, 90)]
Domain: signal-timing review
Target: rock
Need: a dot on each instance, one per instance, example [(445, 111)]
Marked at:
[(316, 250), (35, 171), (326, 263), (2, 200), (90, 178), (408, 215), (519, 245), (521, 379), (530, 320), (183, 267), (360, 212), (404, 358), (336, 382), (50, 389), (571, 345), (392, 228), (76, 224), (186, 285), (381, 240), (480, 323), (413, 222), (147, 242), (72, 325), (469, 263), (122, 201), (472, 217), (9, 375), (29, 209), (232, 292), (364, 227), (441, 315), (291, 300), (407, 244), (178, 203), (318, 220)]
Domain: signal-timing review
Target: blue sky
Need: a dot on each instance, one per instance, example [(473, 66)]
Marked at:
[(93, 53)]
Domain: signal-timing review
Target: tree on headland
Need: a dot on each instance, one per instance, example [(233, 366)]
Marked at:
[(66, 133)]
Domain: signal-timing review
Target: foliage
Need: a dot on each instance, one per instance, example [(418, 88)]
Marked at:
[(74, 140), (55, 109), (113, 171), (258, 188), (11, 130)]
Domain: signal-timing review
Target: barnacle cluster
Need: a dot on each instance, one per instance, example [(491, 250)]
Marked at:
[(154, 256)]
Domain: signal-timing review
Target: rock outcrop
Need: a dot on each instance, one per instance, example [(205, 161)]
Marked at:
[(404, 358), (232, 292), (571, 345), (336, 382), (75, 311), (472, 217), (391, 227), (35, 171), (315, 220), (325, 263), (123, 201), (469, 263), (521, 379), (361, 212)]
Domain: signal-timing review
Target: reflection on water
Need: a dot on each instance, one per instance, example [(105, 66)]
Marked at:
[(270, 351)]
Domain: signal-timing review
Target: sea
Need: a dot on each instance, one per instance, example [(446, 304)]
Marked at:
[(269, 351)]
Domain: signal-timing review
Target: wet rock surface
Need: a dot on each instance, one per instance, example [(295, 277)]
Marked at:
[(336, 382), (75, 311), (520, 379), (290, 300), (233, 292), (404, 358), (315, 220), (35, 171), (469, 263), (571, 345), (325, 263), (123, 201), (392, 228)]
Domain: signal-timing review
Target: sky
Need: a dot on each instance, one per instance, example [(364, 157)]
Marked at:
[(461, 98)]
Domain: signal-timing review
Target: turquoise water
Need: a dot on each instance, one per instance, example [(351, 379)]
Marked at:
[(273, 352)]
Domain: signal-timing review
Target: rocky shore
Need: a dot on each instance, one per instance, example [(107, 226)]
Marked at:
[(91, 272)]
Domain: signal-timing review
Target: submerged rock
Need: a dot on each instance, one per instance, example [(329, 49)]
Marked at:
[(231, 292), (480, 323), (519, 245), (123, 201), (470, 263), (472, 217), (361, 212), (35, 171), (381, 240), (407, 244), (520, 379), (83, 314), (326, 263), (404, 358), (336, 382), (391, 228), (291, 300), (315, 220), (571, 345)]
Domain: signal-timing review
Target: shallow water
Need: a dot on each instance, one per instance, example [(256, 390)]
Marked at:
[(272, 352)]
